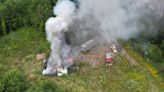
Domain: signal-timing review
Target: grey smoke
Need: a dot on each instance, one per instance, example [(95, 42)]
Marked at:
[(114, 19), (77, 21), (56, 27)]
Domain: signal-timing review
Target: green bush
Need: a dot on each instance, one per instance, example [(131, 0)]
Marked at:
[(3, 26), (45, 86), (20, 13), (162, 47), (13, 81), (155, 53)]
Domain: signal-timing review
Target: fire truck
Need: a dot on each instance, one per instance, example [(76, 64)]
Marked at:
[(108, 59)]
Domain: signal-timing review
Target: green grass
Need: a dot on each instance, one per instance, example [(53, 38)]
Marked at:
[(18, 50), (149, 67), (19, 45)]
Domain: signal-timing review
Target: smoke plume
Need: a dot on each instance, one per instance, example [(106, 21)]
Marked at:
[(115, 19), (55, 28), (77, 21)]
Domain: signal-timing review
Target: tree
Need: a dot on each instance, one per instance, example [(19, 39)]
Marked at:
[(154, 53), (3, 25), (20, 13), (162, 47)]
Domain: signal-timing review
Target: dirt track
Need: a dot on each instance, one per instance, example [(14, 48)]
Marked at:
[(130, 59)]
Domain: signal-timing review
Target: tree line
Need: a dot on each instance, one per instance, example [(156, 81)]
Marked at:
[(19, 13), (151, 40)]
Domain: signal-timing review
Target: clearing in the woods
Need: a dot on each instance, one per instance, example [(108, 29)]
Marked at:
[(129, 72)]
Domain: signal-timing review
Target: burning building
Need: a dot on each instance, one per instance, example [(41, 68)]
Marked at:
[(60, 57), (60, 50)]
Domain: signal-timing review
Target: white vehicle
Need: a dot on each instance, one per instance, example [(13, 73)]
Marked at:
[(114, 49), (88, 45)]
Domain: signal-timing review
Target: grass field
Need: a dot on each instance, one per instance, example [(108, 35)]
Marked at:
[(17, 57)]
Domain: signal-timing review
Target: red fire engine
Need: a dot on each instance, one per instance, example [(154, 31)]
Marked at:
[(108, 58)]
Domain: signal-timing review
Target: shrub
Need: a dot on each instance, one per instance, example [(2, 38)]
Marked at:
[(45, 86), (155, 53), (13, 81)]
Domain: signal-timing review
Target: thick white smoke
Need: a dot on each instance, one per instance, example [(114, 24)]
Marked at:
[(80, 20), (117, 18), (55, 29), (55, 26), (65, 9)]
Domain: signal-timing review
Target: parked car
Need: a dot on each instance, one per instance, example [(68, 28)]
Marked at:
[(114, 49)]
